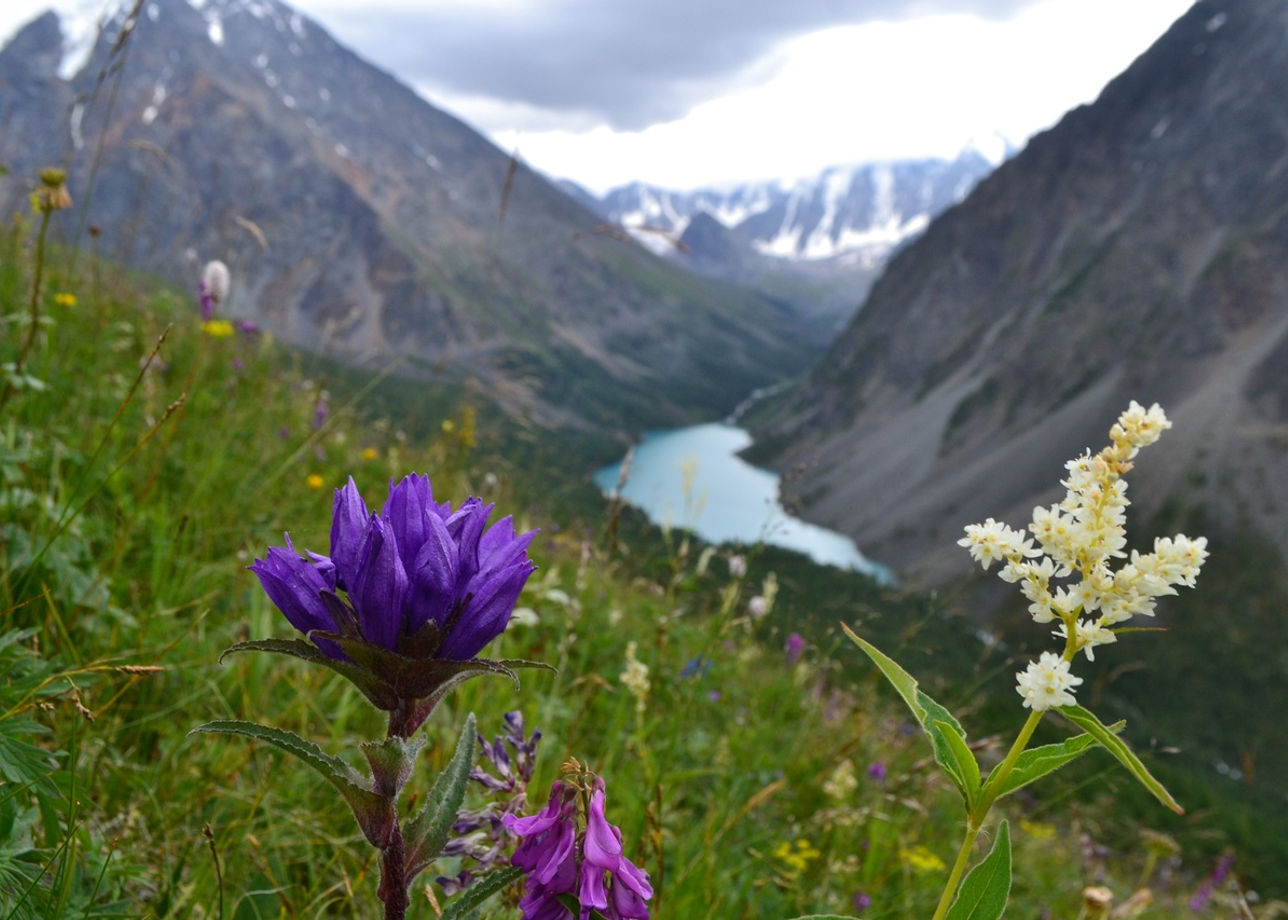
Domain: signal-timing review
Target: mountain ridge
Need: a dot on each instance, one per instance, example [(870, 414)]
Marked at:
[(1137, 250), (362, 222)]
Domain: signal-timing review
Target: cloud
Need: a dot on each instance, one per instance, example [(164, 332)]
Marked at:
[(625, 63)]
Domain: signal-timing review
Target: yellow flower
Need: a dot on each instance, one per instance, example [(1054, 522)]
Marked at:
[(314, 481), (920, 859), (370, 453), (1037, 829), (448, 426), (218, 328), (796, 857), (65, 299)]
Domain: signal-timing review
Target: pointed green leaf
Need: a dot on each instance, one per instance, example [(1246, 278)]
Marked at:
[(375, 814), (987, 887), (963, 758), (474, 896), (1106, 738), (947, 737), (1039, 761), (426, 833), (375, 690)]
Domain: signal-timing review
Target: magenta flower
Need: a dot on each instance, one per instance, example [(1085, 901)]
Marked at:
[(794, 646), (590, 866), (393, 574)]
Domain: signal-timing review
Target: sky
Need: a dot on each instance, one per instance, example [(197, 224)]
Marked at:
[(691, 93)]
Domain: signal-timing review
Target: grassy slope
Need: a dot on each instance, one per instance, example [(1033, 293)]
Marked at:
[(133, 501)]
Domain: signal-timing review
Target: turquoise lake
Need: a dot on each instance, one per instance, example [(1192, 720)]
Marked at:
[(693, 478)]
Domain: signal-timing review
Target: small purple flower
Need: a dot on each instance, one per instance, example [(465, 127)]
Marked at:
[(321, 410), (861, 901), (794, 646), (877, 771), (696, 667), (590, 865), (392, 574), (481, 833), (1201, 897)]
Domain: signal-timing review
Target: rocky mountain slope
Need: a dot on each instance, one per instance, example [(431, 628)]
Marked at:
[(360, 221), (1138, 250), (819, 242)]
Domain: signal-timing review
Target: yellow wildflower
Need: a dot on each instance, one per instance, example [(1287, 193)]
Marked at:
[(65, 299), (370, 453), (314, 481), (797, 856), (921, 859), (1038, 830), (217, 328)]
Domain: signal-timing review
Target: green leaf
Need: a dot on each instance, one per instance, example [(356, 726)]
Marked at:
[(471, 898), (1106, 738), (375, 814), (947, 737), (427, 832), (377, 692), (1039, 761), (987, 887)]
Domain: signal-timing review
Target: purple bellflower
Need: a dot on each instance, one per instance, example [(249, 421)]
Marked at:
[(589, 865), (404, 594)]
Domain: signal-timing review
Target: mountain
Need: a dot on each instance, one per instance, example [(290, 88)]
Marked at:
[(824, 238), (1137, 250), (360, 221)]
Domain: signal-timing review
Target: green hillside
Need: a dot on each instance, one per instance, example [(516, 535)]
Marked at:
[(146, 461)]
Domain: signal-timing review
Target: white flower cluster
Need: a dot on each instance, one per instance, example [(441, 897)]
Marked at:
[(1067, 577)]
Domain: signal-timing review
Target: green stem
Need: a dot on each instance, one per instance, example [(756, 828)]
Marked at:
[(959, 867), (978, 815), (34, 307)]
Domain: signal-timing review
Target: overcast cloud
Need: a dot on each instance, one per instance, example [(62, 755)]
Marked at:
[(690, 93), (626, 64)]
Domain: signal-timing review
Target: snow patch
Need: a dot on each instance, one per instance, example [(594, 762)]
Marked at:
[(324, 94), (1160, 128), (261, 60), (297, 25), (288, 100), (154, 12), (215, 30), (1216, 22)]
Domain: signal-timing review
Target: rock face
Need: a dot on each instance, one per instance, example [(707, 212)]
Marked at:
[(360, 221), (1137, 250)]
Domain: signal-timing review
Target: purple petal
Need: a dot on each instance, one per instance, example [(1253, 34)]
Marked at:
[(626, 903), (466, 526), (348, 533), (602, 847), (590, 889), (405, 512), (498, 547), (379, 591), (433, 575), (488, 612), (294, 585)]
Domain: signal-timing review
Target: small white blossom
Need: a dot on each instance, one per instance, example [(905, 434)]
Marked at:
[(1139, 427), (1047, 683), (993, 541)]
